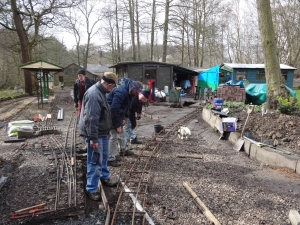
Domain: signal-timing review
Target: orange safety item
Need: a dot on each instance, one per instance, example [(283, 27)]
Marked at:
[(36, 118)]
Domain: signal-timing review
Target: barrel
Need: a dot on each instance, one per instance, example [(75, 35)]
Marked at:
[(217, 103), (158, 128)]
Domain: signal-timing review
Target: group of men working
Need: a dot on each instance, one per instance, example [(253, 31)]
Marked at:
[(106, 108)]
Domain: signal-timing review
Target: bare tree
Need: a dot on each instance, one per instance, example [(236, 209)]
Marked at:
[(26, 18), (73, 24), (286, 20), (86, 16), (153, 20), (166, 30), (275, 85), (118, 51), (132, 27)]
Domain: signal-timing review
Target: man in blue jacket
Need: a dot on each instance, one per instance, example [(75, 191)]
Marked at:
[(135, 107), (119, 100), (94, 125)]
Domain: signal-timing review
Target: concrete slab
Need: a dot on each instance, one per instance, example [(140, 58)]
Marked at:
[(247, 147), (233, 137), (253, 151), (218, 123), (268, 156), (298, 167), (206, 114), (212, 120), (264, 155)]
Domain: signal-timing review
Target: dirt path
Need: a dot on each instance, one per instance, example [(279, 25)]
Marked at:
[(236, 189)]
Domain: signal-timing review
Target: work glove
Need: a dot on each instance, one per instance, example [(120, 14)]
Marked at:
[(138, 116), (76, 105)]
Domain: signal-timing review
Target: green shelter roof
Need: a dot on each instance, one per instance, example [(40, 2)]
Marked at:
[(41, 65)]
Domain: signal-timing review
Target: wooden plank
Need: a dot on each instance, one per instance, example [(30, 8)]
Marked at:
[(201, 205), (39, 206), (195, 156)]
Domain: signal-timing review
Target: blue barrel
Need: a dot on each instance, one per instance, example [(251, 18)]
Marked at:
[(217, 103)]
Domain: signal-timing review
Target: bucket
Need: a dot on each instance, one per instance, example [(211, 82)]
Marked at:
[(158, 128), (217, 103), (166, 89)]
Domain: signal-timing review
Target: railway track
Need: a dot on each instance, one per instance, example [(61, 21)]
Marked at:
[(235, 189), (63, 151), (130, 207)]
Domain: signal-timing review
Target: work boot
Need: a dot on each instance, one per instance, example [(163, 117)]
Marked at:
[(135, 141), (113, 163), (126, 153), (118, 158), (110, 183), (95, 196)]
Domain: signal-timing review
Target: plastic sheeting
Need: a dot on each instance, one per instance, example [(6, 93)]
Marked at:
[(257, 93), (15, 126)]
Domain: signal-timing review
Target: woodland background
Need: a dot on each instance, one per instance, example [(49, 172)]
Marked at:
[(190, 33)]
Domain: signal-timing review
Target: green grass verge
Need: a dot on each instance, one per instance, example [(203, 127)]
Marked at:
[(297, 93), (6, 94)]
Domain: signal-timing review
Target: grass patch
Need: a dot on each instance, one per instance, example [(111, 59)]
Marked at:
[(297, 94), (6, 94)]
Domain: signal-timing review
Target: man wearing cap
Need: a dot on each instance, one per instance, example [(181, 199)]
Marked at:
[(135, 108), (119, 100), (82, 84), (94, 124)]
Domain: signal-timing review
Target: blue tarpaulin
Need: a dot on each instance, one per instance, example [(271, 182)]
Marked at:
[(257, 93)]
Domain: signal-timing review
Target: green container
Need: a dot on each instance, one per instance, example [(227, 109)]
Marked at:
[(174, 95)]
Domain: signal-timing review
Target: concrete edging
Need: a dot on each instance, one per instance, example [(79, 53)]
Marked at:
[(265, 155)]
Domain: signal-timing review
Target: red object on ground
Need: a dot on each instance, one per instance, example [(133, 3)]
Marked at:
[(31, 213), (36, 118)]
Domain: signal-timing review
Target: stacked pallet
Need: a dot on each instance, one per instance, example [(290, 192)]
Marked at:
[(231, 93)]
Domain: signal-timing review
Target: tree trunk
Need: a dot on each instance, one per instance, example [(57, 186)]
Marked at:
[(24, 43), (275, 86), (152, 31), (138, 31), (166, 28), (132, 29), (118, 51)]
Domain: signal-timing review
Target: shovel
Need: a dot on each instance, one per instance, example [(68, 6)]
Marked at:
[(240, 142)]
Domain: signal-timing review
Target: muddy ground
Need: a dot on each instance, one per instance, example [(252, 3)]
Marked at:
[(272, 128)]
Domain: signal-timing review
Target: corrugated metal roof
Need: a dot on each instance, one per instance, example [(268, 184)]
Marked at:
[(255, 66), (197, 69), (176, 68), (99, 68)]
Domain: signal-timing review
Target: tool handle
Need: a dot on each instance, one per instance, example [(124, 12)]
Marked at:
[(245, 124)]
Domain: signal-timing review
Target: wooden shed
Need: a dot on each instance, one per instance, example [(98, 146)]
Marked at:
[(163, 74), (69, 75)]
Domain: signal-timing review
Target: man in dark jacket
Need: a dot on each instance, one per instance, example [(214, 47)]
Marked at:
[(94, 125), (82, 84), (135, 108), (119, 100)]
